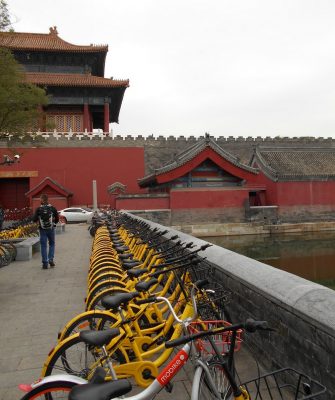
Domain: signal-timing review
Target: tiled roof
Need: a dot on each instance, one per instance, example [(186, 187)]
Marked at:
[(54, 79), (294, 164), (44, 182), (45, 42), (191, 152)]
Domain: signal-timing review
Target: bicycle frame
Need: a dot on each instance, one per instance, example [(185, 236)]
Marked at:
[(162, 380)]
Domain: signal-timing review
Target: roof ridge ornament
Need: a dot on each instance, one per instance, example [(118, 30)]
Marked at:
[(207, 137), (53, 30)]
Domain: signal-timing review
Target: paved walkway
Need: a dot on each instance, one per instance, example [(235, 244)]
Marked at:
[(36, 304)]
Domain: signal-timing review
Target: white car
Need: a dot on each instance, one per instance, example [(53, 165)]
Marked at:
[(76, 214)]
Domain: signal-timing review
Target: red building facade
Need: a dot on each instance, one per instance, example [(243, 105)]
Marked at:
[(80, 97), (203, 183)]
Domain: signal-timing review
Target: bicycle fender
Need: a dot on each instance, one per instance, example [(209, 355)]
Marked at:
[(53, 378)]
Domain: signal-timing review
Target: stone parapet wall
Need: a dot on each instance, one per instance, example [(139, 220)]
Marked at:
[(305, 213), (203, 215), (302, 312), (162, 217), (209, 223)]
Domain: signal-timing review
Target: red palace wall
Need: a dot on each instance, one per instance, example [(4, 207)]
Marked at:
[(143, 203), (306, 193), (207, 198), (76, 168)]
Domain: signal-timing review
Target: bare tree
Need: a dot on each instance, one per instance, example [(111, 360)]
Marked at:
[(5, 22)]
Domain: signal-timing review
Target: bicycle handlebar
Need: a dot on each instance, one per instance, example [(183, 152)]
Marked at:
[(172, 260), (197, 286), (250, 325), (150, 299), (165, 271)]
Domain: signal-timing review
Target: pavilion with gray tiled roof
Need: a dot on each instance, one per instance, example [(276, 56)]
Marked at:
[(190, 153)]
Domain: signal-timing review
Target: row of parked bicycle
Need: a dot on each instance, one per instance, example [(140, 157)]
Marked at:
[(20, 229), (151, 308), (7, 253), (8, 236)]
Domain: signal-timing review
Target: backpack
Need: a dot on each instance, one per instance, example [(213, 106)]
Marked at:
[(46, 217)]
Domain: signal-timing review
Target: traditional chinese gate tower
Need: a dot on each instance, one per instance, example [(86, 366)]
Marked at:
[(73, 76)]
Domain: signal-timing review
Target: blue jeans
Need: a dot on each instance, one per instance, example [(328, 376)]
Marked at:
[(47, 235)]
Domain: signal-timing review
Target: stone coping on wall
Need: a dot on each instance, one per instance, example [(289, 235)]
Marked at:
[(303, 298), (253, 228), (108, 136)]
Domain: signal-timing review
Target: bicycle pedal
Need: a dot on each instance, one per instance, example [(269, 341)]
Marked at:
[(168, 387)]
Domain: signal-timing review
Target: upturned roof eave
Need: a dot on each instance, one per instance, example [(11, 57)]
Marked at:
[(146, 181), (189, 154), (23, 41), (264, 167), (196, 149), (73, 80)]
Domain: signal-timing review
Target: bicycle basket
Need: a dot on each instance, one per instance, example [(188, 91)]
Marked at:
[(285, 383), (211, 305), (222, 340)]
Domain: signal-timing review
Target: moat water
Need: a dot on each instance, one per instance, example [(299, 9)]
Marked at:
[(309, 255)]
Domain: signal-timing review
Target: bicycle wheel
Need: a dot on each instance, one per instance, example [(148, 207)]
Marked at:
[(50, 391), (74, 357), (104, 275), (94, 320), (95, 303), (11, 250), (103, 285), (5, 256), (204, 390)]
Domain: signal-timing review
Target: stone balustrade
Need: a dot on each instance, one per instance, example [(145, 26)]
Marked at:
[(301, 312)]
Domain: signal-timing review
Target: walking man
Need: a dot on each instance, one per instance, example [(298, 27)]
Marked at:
[(47, 217)]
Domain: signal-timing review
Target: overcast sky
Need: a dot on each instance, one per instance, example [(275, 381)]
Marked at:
[(227, 67)]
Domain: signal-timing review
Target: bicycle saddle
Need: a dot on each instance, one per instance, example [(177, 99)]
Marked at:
[(102, 391), (134, 273), (144, 286), (113, 302), (99, 338)]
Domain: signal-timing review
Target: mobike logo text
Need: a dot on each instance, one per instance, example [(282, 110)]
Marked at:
[(172, 368)]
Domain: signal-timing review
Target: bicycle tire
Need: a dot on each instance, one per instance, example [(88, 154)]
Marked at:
[(10, 247), (72, 356), (75, 357), (104, 275), (95, 273), (103, 285), (94, 320), (202, 389), (3, 261), (50, 391), (95, 303), (5, 256)]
